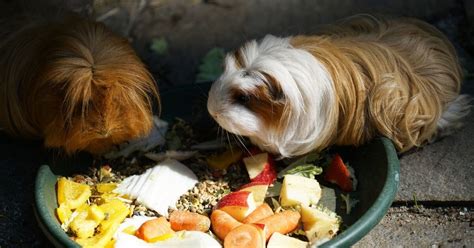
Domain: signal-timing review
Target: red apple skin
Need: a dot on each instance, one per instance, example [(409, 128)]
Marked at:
[(260, 225), (238, 198), (268, 174), (251, 184)]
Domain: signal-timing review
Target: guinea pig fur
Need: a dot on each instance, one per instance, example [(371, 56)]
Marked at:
[(362, 77), (74, 84)]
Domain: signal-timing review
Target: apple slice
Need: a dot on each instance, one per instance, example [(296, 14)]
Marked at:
[(259, 190), (279, 240), (261, 168), (299, 190), (238, 204)]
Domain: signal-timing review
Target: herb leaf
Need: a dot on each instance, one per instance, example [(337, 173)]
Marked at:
[(305, 160), (305, 170)]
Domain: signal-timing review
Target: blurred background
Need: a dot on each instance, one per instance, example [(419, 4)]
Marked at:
[(173, 36), (183, 31)]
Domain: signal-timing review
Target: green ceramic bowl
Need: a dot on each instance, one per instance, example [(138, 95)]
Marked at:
[(376, 165)]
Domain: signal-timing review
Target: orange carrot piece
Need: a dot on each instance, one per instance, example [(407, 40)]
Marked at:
[(284, 222), (260, 213), (247, 235), (154, 228), (185, 220), (223, 223)]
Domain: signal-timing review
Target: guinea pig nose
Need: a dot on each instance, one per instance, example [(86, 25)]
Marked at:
[(104, 133)]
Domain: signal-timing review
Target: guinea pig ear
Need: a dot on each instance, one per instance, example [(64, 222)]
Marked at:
[(239, 60), (274, 87), (230, 63)]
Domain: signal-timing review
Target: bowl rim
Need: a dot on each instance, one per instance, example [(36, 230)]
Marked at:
[(43, 215)]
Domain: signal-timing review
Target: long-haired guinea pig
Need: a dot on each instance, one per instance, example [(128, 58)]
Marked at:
[(362, 77), (74, 84)]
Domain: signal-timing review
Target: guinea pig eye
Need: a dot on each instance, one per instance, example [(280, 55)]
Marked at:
[(242, 99)]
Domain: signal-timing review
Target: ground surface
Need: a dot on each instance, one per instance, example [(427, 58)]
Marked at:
[(439, 176)]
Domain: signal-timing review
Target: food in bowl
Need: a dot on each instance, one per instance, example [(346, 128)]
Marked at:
[(206, 194)]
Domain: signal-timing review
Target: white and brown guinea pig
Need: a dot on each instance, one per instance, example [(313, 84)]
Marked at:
[(363, 77), (74, 84)]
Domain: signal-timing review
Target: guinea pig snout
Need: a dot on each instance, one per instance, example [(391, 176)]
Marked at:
[(212, 110)]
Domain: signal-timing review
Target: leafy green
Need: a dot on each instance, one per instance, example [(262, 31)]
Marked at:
[(305, 170), (305, 160), (159, 46), (349, 203), (211, 66)]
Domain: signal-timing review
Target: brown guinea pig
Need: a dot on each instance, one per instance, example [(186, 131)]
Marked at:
[(74, 84), (363, 77)]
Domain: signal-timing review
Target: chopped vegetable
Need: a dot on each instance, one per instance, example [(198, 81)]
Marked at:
[(105, 187), (261, 168), (339, 174), (157, 187), (283, 222), (225, 159), (154, 229), (247, 235), (185, 220), (298, 190), (306, 170), (260, 213), (116, 211), (238, 204), (349, 203), (83, 225), (259, 190), (223, 223), (64, 213), (101, 239), (319, 223), (282, 241), (306, 159), (72, 194)]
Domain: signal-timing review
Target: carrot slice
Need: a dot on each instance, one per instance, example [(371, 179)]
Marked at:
[(260, 213), (153, 228), (247, 235), (185, 220), (284, 222), (223, 223)]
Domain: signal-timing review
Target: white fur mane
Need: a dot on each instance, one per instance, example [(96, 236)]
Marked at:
[(307, 88)]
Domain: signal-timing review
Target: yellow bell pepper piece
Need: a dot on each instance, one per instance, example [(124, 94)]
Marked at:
[(72, 194), (105, 187), (64, 213), (225, 159), (115, 212)]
